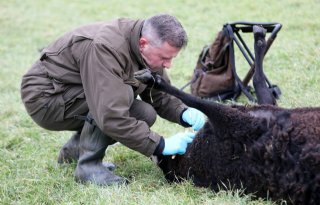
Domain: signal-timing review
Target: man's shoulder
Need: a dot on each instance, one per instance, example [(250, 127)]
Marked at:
[(117, 34), (114, 33)]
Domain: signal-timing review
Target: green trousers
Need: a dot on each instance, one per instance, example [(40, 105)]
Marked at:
[(59, 114)]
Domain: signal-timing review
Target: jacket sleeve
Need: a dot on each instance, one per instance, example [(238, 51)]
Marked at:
[(167, 106), (109, 99)]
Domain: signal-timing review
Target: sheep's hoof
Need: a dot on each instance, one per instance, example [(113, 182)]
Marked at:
[(259, 31), (145, 76)]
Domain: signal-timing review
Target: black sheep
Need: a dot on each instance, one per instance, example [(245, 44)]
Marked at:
[(267, 150)]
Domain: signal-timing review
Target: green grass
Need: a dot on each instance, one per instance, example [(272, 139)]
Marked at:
[(29, 173)]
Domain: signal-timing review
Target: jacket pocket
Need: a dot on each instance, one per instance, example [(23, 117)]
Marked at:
[(75, 102), (55, 109)]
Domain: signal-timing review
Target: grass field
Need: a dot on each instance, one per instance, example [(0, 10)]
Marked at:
[(29, 172)]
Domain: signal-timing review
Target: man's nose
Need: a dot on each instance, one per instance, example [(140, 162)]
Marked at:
[(167, 63)]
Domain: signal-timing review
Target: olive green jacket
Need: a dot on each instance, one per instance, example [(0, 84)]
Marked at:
[(102, 57)]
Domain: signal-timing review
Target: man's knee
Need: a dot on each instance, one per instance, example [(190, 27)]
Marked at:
[(58, 114), (143, 111)]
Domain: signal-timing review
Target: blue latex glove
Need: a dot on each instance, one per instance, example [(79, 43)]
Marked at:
[(177, 144), (194, 117)]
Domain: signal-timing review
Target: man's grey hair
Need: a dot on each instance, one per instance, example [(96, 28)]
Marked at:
[(164, 28)]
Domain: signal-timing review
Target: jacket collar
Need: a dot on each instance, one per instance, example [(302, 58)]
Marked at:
[(135, 35)]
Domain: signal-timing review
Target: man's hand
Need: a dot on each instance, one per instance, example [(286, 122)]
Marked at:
[(194, 117), (178, 143)]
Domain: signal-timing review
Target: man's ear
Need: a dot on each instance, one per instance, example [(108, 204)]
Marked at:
[(143, 42)]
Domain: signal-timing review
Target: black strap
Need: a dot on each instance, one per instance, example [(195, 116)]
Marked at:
[(86, 118), (204, 54), (194, 78)]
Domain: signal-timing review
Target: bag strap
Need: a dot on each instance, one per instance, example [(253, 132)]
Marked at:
[(204, 68), (204, 54), (194, 78)]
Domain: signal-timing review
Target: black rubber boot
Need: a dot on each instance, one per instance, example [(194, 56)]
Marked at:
[(93, 144), (70, 151)]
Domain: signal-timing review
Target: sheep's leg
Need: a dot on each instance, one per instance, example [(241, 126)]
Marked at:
[(264, 96), (145, 76), (155, 81), (221, 116)]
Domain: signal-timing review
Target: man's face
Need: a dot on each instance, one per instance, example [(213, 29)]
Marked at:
[(157, 57)]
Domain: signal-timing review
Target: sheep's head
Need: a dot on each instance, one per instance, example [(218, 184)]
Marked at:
[(147, 77)]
